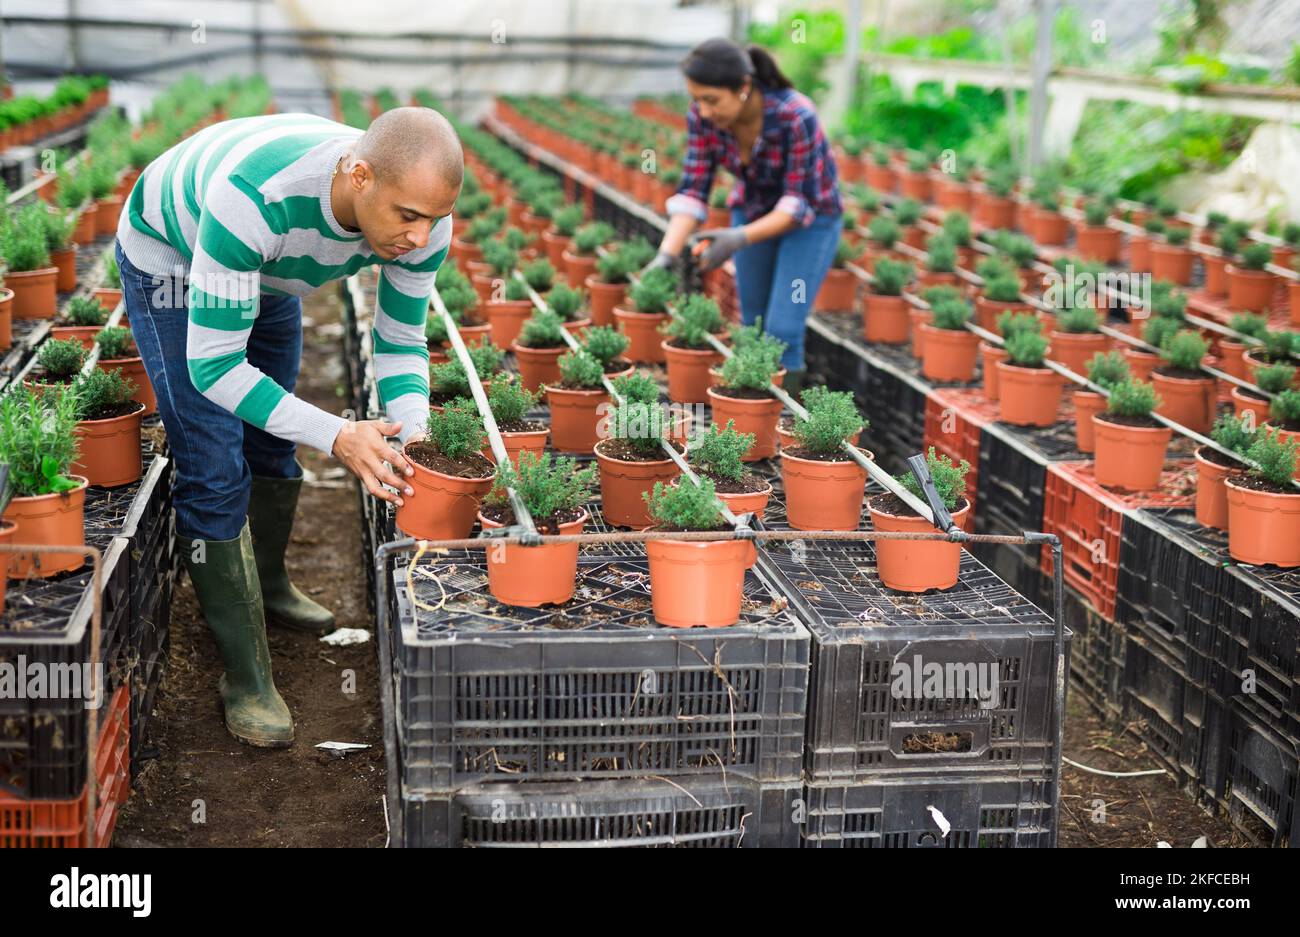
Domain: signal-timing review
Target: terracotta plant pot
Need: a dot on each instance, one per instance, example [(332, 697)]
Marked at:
[(1243, 402), (65, 261), (752, 416), (1049, 227), (133, 369), (538, 366), (48, 520), (688, 372), (837, 292), (1028, 396), (1098, 242), (915, 185), (578, 267), (1211, 495), (507, 318), (533, 576), (1251, 290), (1216, 274), (1263, 527), (645, 344), (698, 583), (110, 450), (7, 531), (916, 318), (35, 293), (881, 178), (1130, 457), (604, 297), (1187, 401), (84, 232), (622, 484), (1230, 358), (994, 211), (916, 565), (443, 507), (1074, 349), (1171, 262), (82, 333), (555, 246), (951, 195), (987, 312), (110, 209), (1139, 253), (1141, 363), (1087, 404), (573, 417), (822, 495), (533, 441), (6, 318), (950, 354), (108, 297), (885, 319), (747, 502), (990, 355)]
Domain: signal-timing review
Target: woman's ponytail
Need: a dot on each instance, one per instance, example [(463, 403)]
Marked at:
[(766, 71), (720, 63)]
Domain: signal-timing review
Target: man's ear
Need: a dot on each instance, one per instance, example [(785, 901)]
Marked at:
[(361, 175)]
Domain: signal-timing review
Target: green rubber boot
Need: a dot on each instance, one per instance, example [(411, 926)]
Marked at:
[(225, 580), (271, 505)]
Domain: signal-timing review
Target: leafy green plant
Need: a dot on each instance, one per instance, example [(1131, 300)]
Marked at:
[(956, 225), (566, 220), (685, 505), (719, 452), (1154, 225), (832, 418), (544, 329), (85, 311), (1228, 241), (604, 343), (654, 291), (1285, 409), (1256, 257), (1003, 289), (995, 267), (1159, 329), (1106, 369), (510, 401), (1010, 323), (550, 486), (949, 479), (1275, 378), (1274, 457), (844, 252), (614, 266), (565, 301), (890, 276), (1025, 349), (752, 368), (101, 393), (941, 254), (483, 226), (114, 342), (38, 440), (695, 318), (500, 257), (456, 431), (934, 295), (1184, 350), (1249, 324), (22, 242), (1169, 304), (907, 212), (1178, 237), (1233, 432), (1280, 345), (1017, 247), (578, 369), (641, 424), (951, 314), (1078, 320), (591, 236), (1095, 212), (516, 290), (61, 359), (883, 231), (58, 229), (637, 386), (539, 274), (1132, 398)]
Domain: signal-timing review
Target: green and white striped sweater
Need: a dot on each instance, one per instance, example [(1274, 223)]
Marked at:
[(243, 207)]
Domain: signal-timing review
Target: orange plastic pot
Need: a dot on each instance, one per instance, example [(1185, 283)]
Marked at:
[(994, 211), (1263, 527), (110, 209), (823, 495), (916, 565), (35, 293), (1251, 290), (1139, 253), (1244, 403), (1230, 358), (915, 319), (915, 185), (885, 319), (6, 318), (65, 261), (837, 291), (950, 354), (951, 195), (82, 333), (533, 576), (1028, 396), (1049, 227), (1098, 242), (555, 246), (574, 418), (7, 530), (537, 366), (881, 178), (1074, 349), (507, 318), (110, 450), (987, 312), (752, 416), (1216, 274), (84, 232), (1171, 262), (1130, 457), (443, 506), (1141, 364), (604, 297), (622, 484), (1293, 300), (698, 583), (747, 502), (48, 520), (644, 343), (1087, 404), (688, 372), (133, 370), (533, 441), (577, 267), (990, 355), (108, 297), (1187, 401), (1211, 495)]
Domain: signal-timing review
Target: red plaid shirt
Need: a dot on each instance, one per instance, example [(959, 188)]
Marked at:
[(791, 168)]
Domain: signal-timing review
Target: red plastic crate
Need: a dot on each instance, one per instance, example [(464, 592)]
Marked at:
[(61, 824), (1088, 518)]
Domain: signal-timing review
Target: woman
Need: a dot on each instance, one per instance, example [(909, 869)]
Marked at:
[(785, 207)]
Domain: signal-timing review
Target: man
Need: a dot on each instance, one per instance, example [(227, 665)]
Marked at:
[(222, 236)]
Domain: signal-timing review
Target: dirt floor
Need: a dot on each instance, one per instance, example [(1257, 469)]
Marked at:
[(301, 796)]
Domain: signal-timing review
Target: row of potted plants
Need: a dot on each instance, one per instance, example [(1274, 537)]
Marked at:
[(27, 118)]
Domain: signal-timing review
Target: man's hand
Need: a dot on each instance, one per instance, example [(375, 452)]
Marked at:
[(363, 450), (723, 242)]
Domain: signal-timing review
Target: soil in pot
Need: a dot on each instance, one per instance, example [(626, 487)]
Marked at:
[(698, 582), (447, 493), (750, 494), (823, 491), (914, 565), (533, 576), (1130, 451), (626, 473)]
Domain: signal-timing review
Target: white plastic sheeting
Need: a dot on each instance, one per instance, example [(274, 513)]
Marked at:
[(1263, 182)]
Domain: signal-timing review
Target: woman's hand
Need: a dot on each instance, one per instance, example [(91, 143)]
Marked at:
[(662, 260), (364, 450), (723, 242)]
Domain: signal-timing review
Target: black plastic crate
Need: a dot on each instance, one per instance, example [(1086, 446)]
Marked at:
[(1010, 485), (594, 688), (982, 813), (1167, 710), (1097, 655), (1251, 773), (693, 812), (49, 623)]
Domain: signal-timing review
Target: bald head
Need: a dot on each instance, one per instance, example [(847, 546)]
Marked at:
[(412, 138)]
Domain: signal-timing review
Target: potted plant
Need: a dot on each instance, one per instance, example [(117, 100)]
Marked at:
[(956, 225), (538, 349), (940, 262), (117, 351), (109, 291), (746, 336), (82, 318), (557, 238), (539, 274), (1285, 253), (555, 492), (1077, 337), (1214, 223), (1171, 258), (991, 355), (575, 401), (1250, 285), (608, 285), (1095, 239), (1284, 417), (39, 444), (448, 381), (1139, 245), (1271, 379), (1047, 224), (63, 252), (882, 234), (1231, 352), (848, 160), (102, 176), (108, 429), (694, 582), (907, 212), (885, 317), (608, 346), (1105, 369), (687, 348), (1131, 443), (566, 302), (1155, 332), (468, 245), (1000, 294), (641, 323), (580, 259), (717, 454), (451, 476), (1212, 468), (29, 275), (951, 349), (1188, 393), (510, 404), (743, 396), (994, 207), (880, 175), (1263, 505), (920, 565), (1280, 347), (6, 316), (951, 191), (838, 290), (1021, 255), (824, 488), (1228, 243), (1029, 392), (914, 182), (632, 459), (719, 217)]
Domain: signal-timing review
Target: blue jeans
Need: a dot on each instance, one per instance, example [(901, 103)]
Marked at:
[(768, 276), (216, 453)]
